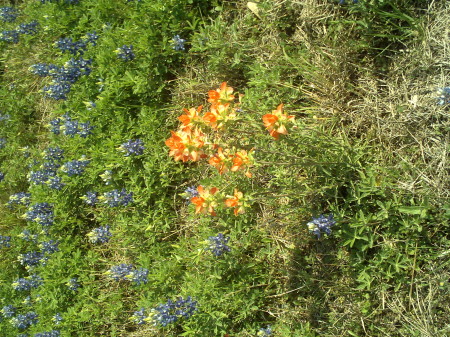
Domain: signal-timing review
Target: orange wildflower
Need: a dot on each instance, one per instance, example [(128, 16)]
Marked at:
[(222, 95), (186, 144), (205, 202), (191, 117), (276, 122), (219, 115), (221, 161), (242, 160), (236, 202)]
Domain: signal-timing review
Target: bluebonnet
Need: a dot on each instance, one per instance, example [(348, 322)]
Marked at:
[(99, 235), (30, 259), (265, 332), (172, 311), (218, 244), (41, 213), (9, 36), (120, 272), (138, 276), (75, 167), (27, 283), (57, 318), (49, 247), (55, 182), (92, 38), (321, 224), (90, 198), (139, 316), (2, 176), (133, 147), (28, 236), (43, 69), (342, 2), (25, 321), (126, 272), (8, 311), (20, 198), (4, 117), (73, 284), (28, 28), (190, 192), (53, 333), (106, 177), (74, 48), (70, 127), (57, 91), (117, 198), (5, 241), (90, 105), (2, 143), (178, 43), (8, 14), (27, 300), (444, 96), (40, 177), (125, 52), (85, 129), (54, 153)]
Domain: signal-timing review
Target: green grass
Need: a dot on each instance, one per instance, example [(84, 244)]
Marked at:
[(369, 145)]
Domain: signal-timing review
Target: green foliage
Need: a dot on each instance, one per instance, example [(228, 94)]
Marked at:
[(385, 259)]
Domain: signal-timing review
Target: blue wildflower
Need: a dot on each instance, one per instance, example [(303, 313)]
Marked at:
[(73, 284), (99, 235), (444, 96), (57, 318), (4, 118), (133, 147), (125, 52), (189, 193), (117, 198), (27, 283), (8, 14), (8, 311), (54, 153), (57, 91), (9, 36), (138, 276), (5, 241), (321, 224), (53, 333), (20, 198), (30, 259), (92, 38), (55, 182), (75, 167), (28, 236), (74, 48), (2, 176), (49, 247), (342, 2), (28, 28), (41, 213), (172, 311), (265, 332), (178, 43), (139, 317), (85, 129), (218, 244), (120, 272), (25, 321), (90, 198)]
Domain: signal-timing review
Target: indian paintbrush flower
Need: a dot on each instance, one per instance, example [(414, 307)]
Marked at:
[(277, 122)]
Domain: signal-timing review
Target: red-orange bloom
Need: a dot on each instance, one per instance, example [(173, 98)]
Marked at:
[(206, 201), (219, 115), (191, 117), (186, 144), (276, 122), (221, 161), (236, 202), (222, 95), (242, 160)]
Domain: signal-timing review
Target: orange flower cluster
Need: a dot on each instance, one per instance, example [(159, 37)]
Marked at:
[(209, 199), (277, 122), (189, 143)]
